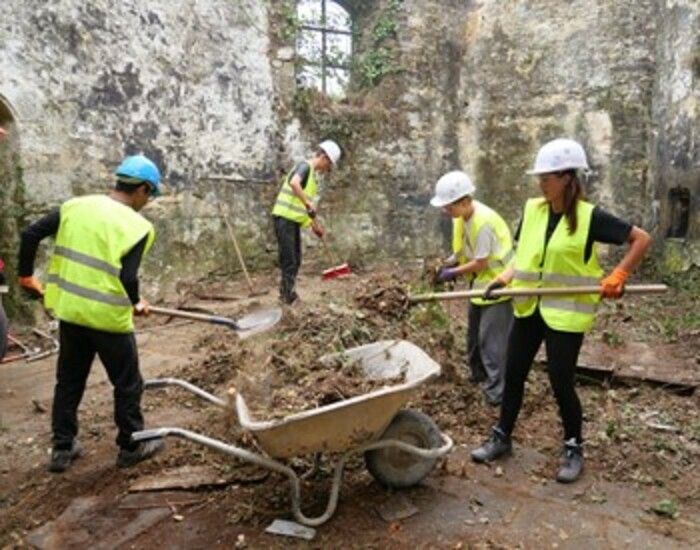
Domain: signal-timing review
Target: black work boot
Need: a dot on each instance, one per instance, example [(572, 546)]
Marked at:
[(62, 458), (571, 463), (145, 449), (498, 445)]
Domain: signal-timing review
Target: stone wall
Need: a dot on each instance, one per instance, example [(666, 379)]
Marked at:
[(675, 142), (187, 83), (481, 85), (207, 89)]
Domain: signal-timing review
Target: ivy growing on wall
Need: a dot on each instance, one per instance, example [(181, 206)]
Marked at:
[(379, 60)]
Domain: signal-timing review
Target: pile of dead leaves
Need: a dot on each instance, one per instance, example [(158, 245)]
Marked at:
[(297, 388), (384, 295)]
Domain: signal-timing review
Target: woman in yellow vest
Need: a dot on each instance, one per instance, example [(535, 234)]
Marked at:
[(481, 248), (295, 208), (556, 246), (92, 288)]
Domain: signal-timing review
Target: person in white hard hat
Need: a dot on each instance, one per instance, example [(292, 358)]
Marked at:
[(481, 248), (556, 246), (295, 208)]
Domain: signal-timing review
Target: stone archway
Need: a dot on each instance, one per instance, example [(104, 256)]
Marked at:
[(11, 203)]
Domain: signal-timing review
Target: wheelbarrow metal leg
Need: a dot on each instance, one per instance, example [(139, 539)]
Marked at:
[(265, 462)]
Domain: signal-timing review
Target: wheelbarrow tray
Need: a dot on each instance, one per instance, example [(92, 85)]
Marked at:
[(352, 422)]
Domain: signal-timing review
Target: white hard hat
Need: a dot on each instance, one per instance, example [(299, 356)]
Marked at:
[(331, 149), (559, 154), (452, 187)]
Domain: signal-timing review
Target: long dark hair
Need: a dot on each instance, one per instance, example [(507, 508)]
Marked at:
[(573, 192)]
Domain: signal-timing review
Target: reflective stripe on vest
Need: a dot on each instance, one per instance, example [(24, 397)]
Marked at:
[(89, 293), (559, 264), (86, 260), (83, 285), (291, 207), (463, 246)]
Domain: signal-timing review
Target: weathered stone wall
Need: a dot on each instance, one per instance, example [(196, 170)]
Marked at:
[(483, 84), (675, 143), (207, 89), (187, 83)]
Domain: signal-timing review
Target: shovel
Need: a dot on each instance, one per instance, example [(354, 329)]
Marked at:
[(339, 270), (554, 291), (250, 324), (232, 236)]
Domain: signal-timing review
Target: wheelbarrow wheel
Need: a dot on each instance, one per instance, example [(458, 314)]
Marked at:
[(399, 469)]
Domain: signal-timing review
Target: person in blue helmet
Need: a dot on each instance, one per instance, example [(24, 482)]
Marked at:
[(92, 288)]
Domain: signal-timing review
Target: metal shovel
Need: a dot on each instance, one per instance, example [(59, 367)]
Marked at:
[(250, 324)]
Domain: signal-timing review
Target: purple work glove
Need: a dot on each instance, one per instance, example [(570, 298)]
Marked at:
[(447, 274)]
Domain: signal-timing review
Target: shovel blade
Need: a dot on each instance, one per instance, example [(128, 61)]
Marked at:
[(258, 321)]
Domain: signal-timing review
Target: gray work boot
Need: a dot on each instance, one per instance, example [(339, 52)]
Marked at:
[(571, 463), (145, 449), (61, 459), (498, 445)]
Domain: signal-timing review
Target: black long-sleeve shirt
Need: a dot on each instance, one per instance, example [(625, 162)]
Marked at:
[(48, 226)]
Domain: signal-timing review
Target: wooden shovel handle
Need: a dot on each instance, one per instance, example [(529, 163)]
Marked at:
[(554, 291)]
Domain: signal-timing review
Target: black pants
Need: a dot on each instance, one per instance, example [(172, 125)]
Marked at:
[(289, 249), (562, 355), (119, 356)]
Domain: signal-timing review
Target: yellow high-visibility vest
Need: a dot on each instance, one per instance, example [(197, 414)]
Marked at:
[(561, 263), (291, 207), (463, 246), (83, 285)]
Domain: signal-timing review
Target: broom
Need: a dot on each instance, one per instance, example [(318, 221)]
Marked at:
[(339, 270)]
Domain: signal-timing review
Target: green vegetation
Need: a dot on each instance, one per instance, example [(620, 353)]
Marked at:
[(290, 22), (667, 508), (379, 60), (375, 65)]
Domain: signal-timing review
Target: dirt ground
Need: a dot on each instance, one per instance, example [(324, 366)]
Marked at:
[(640, 487)]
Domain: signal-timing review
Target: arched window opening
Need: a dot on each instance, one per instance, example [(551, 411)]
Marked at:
[(324, 46)]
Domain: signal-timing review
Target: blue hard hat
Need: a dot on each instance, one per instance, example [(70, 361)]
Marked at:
[(140, 168)]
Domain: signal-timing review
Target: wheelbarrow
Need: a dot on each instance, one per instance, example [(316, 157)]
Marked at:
[(400, 446)]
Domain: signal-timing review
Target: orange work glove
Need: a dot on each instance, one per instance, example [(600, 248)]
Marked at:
[(142, 308), (32, 286), (614, 284)]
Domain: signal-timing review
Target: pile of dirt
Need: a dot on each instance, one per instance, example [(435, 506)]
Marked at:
[(384, 295), (298, 387)]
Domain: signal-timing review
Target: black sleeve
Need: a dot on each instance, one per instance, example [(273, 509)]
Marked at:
[(32, 236), (302, 170), (606, 228), (516, 235), (609, 229), (130, 268)]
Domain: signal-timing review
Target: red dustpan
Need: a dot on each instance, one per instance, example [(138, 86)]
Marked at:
[(340, 270)]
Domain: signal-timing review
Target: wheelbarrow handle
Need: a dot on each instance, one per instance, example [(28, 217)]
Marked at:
[(214, 319), (554, 291)]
